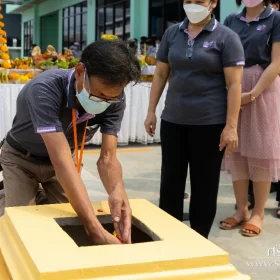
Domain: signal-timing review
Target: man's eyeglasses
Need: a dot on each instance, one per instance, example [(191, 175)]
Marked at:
[(190, 48), (97, 98)]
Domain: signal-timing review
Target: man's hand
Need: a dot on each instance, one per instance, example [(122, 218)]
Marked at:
[(110, 172), (102, 237), (74, 187), (121, 213)]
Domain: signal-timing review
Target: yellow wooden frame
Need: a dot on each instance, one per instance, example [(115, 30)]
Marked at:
[(35, 247)]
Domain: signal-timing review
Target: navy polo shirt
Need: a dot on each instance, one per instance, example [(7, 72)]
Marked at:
[(256, 36), (197, 93), (45, 105)]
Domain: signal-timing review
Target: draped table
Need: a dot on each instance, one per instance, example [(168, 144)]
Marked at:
[(132, 130), (8, 98)]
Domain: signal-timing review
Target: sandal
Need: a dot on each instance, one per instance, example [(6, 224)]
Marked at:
[(278, 211), (232, 222), (256, 230)]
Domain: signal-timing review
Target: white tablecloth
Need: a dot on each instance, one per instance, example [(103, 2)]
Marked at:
[(8, 98), (137, 100)]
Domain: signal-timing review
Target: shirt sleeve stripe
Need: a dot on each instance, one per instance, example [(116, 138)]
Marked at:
[(46, 129)]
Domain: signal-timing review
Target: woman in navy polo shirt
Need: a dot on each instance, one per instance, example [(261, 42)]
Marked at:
[(258, 155), (203, 61)]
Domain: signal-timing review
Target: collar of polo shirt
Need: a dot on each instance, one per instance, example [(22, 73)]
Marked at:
[(265, 14), (209, 27), (71, 91)]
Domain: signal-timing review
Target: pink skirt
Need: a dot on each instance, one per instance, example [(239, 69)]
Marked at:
[(258, 155)]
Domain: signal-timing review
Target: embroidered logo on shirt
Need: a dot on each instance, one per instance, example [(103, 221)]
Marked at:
[(261, 27), (208, 44), (45, 129)]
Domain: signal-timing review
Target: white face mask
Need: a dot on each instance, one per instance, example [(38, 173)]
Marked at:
[(91, 104), (196, 13), (252, 3)]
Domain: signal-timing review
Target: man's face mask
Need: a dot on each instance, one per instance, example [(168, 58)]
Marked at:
[(89, 102)]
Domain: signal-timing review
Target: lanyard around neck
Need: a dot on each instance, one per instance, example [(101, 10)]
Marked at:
[(78, 159)]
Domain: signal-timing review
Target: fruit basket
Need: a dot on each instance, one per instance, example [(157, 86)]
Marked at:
[(22, 76), (148, 67), (51, 59)]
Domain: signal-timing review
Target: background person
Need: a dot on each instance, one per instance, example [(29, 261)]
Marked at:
[(275, 187), (258, 155), (201, 58), (76, 50), (275, 4)]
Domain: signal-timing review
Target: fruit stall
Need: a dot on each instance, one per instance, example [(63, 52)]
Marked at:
[(21, 71)]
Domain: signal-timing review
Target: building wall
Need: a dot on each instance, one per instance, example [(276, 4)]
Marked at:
[(227, 7), (52, 6), (12, 26), (139, 17), (139, 24)]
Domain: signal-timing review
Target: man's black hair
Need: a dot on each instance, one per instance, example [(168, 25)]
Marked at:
[(239, 2), (111, 61)]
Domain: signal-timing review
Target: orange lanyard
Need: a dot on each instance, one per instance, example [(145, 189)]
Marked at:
[(78, 159)]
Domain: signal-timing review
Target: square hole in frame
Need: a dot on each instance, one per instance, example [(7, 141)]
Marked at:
[(140, 233)]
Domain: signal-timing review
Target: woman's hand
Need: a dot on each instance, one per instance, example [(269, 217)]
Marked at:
[(246, 98), (229, 140), (150, 123)]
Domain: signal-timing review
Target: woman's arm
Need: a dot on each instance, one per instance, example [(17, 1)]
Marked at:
[(160, 78), (233, 76), (270, 73), (159, 81), (229, 139)]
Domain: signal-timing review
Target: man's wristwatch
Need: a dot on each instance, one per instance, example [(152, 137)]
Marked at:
[(252, 97)]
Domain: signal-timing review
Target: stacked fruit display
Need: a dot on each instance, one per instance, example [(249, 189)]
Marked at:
[(147, 63), (4, 56), (22, 71), (51, 59)]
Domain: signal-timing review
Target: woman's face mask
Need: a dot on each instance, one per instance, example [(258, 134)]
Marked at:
[(251, 3), (197, 13)]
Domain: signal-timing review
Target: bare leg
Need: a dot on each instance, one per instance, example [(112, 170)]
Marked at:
[(241, 196), (261, 193)]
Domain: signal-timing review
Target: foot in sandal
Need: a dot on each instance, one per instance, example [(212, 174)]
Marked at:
[(253, 227), (232, 222)]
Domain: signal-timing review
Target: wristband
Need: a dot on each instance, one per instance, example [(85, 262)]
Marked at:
[(252, 97)]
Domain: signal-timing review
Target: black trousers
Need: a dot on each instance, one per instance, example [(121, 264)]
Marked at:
[(197, 147)]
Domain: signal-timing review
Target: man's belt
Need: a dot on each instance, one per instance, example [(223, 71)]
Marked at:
[(15, 145)]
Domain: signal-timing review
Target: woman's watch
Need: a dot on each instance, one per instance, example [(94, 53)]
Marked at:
[(252, 97)]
